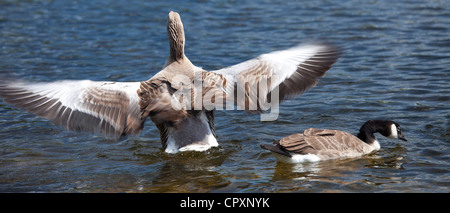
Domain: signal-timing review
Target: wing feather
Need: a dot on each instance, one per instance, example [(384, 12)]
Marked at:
[(110, 108), (288, 72), (296, 143)]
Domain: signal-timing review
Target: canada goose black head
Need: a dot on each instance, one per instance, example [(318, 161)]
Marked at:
[(175, 32), (387, 128), (395, 132)]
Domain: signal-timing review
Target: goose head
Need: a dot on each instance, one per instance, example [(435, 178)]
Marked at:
[(392, 130), (175, 32), (387, 128)]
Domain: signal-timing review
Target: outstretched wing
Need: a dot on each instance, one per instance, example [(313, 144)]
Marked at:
[(111, 108), (285, 73)]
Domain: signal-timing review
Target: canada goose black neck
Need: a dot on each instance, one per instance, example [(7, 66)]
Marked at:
[(368, 129), (175, 32)]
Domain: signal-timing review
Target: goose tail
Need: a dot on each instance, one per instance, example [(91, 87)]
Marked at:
[(276, 149)]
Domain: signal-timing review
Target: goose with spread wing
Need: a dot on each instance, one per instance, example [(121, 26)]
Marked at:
[(170, 97)]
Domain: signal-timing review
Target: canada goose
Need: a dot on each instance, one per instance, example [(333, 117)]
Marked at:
[(121, 108), (322, 144)]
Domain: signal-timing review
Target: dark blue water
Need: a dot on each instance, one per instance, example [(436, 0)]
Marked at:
[(395, 65)]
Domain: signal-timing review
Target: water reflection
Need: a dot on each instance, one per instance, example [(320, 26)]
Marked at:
[(376, 169), (388, 157), (187, 171)]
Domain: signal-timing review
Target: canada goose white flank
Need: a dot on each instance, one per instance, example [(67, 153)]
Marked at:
[(322, 144), (120, 108)]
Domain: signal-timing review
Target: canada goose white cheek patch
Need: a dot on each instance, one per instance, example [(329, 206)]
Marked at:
[(394, 134)]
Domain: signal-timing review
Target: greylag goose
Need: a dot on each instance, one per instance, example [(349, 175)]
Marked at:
[(181, 99), (323, 144)]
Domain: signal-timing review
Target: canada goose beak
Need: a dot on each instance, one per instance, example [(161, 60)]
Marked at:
[(401, 137)]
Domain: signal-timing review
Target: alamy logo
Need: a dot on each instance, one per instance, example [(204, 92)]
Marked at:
[(258, 93)]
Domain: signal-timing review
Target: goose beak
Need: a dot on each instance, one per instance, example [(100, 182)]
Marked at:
[(401, 137)]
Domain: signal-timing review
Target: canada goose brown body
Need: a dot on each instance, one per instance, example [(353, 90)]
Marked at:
[(323, 144)]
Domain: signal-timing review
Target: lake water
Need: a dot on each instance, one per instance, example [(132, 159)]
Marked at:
[(395, 65)]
